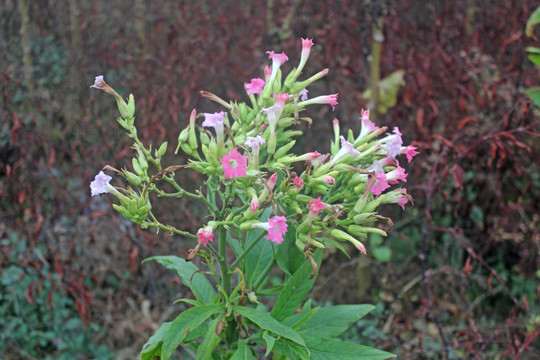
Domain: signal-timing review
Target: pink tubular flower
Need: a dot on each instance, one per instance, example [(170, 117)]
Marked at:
[(393, 147), (214, 120), (255, 86), (346, 149), (380, 184), (402, 199), (298, 182), (316, 205), (397, 174), (277, 61), (329, 180), (272, 181), (398, 196), (325, 99), (277, 227), (100, 184), (267, 73), (410, 151), (205, 235), (254, 203), (99, 83), (306, 45), (234, 164), (367, 126), (281, 98), (254, 142), (306, 49)]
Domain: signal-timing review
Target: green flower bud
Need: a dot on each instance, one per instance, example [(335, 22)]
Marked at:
[(132, 178), (283, 150), (362, 231), (162, 150)]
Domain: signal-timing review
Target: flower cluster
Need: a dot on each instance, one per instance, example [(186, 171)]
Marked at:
[(246, 157)]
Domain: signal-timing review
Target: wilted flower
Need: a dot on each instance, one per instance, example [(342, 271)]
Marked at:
[(205, 235)]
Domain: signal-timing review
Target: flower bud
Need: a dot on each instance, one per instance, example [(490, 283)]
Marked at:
[(162, 150), (362, 231)]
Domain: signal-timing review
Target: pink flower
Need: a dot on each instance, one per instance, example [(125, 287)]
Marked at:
[(325, 99), (402, 199), (267, 73), (255, 86), (278, 59), (205, 235), (99, 83), (298, 182), (410, 151), (272, 181), (254, 203), (303, 94), (277, 227), (367, 126), (214, 120), (234, 164), (380, 184), (316, 205), (393, 147), (306, 45), (346, 149), (100, 184), (329, 180), (254, 142), (397, 174), (281, 98)]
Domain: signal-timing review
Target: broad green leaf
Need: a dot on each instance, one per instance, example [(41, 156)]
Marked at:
[(330, 349), (198, 283), (296, 289), (186, 322), (298, 320), (534, 19), (152, 348), (535, 59), (211, 340), (260, 257), (270, 341), (266, 322), (290, 350), (331, 321), (243, 352), (271, 291), (534, 95), (382, 253), (289, 258)]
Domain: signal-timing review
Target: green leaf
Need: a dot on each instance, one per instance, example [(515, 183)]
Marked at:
[(532, 50), (270, 341), (198, 283), (211, 340), (266, 322), (298, 320), (271, 291), (289, 258), (243, 352), (331, 321), (382, 253), (152, 348), (330, 349), (290, 350), (533, 20), (186, 322), (259, 258), (535, 59), (296, 289), (534, 95)]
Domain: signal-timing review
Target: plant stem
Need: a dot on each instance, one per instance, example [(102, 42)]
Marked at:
[(375, 66), (251, 246)]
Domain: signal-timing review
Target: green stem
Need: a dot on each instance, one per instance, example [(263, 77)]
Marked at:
[(251, 246)]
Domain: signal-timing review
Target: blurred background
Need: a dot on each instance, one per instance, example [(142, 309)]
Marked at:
[(458, 277)]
